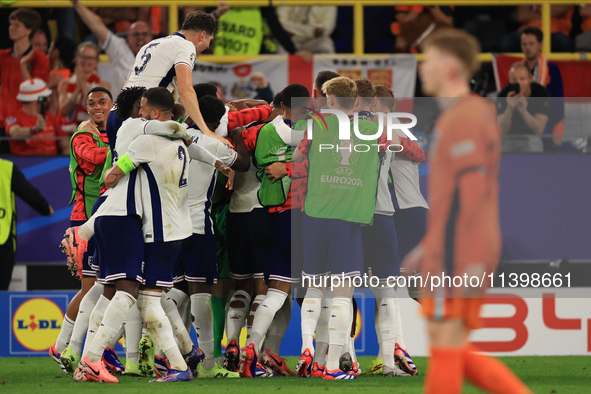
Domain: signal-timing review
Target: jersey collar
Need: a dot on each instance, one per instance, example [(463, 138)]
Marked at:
[(25, 53), (179, 34)]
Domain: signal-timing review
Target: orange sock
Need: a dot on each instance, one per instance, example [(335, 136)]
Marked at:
[(490, 374), (445, 374)]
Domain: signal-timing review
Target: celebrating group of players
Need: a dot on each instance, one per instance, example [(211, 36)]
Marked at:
[(159, 244)]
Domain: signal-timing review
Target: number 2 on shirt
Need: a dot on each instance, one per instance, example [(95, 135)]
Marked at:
[(183, 157), (146, 58)]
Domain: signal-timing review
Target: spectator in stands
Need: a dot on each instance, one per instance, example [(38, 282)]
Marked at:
[(414, 23), (583, 40), (523, 110), (310, 27), (39, 41), (61, 57), (73, 91), (561, 25), (19, 63), (548, 75), (13, 182), (32, 127), (121, 51)]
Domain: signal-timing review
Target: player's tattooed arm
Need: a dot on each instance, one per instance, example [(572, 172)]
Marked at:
[(112, 176)]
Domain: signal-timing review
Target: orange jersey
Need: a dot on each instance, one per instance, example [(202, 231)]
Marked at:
[(463, 223)]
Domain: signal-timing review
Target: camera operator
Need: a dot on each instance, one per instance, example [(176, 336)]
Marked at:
[(32, 128), (523, 108)]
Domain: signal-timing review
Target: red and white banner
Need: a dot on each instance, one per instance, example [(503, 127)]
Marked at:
[(396, 72), (516, 326)]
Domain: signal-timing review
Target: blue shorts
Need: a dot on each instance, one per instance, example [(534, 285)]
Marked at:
[(88, 267), (380, 247), (411, 224), (95, 258), (120, 242), (198, 260), (278, 266), (161, 259), (248, 242), (332, 246)]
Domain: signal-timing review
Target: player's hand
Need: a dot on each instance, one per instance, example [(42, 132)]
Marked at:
[(318, 32), (90, 126), (50, 211), (259, 80), (223, 7), (276, 171), (230, 181), (412, 262), (521, 103), (305, 55), (27, 58), (219, 137), (41, 124), (224, 169)]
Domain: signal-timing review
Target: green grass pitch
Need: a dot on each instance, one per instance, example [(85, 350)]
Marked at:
[(558, 375)]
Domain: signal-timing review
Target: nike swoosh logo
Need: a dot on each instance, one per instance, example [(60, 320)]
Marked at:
[(93, 371), (279, 363)]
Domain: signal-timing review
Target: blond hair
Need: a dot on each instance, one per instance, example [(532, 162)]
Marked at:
[(459, 44), (365, 90), (344, 89)]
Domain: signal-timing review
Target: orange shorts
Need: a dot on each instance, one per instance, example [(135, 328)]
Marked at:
[(467, 309)]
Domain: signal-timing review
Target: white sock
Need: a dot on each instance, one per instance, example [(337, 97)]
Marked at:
[(399, 336), (112, 322), (116, 338), (278, 327), (322, 329), (178, 326), (133, 334), (265, 313), (160, 328), (81, 325), (181, 299), (203, 324), (96, 318), (378, 332), (386, 317), (236, 315), (86, 230), (250, 321), (339, 328), (310, 313), (345, 348), (65, 334)]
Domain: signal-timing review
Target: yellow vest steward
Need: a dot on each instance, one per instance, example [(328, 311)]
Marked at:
[(7, 203)]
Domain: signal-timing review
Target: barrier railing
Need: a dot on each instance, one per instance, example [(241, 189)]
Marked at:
[(358, 40)]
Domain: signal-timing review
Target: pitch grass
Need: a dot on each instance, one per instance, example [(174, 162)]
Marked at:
[(571, 374)]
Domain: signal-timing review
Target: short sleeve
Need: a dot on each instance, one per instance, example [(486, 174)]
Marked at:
[(184, 54), (141, 150), (9, 122), (226, 154)]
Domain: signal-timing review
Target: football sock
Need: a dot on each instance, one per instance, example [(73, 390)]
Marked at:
[(133, 334), (113, 319), (378, 332), (178, 326), (339, 328), (346, 345), (239, 306), (65, 334), (386, 323), (116, 337), (203, 324), (446, 371), (181, 300), (322, 329), (265, 313), (81, 325), (253, 310), (86, 230), (352, 333), (218, 307), (278, 327), (160, 328), (96, 318), (310, 313), (399, 336), (490, 374)]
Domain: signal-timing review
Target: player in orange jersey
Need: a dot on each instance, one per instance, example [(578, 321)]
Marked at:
[(463, 231)]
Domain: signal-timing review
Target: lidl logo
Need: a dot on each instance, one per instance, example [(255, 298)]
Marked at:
[(36, 323)]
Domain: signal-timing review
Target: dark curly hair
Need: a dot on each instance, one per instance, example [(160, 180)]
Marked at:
[(200, 21), (127, 99)]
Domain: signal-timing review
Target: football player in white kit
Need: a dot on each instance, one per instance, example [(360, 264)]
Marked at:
[(161, 59), (155, 195)]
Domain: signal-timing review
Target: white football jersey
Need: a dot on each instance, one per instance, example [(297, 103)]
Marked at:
[(246, 187), (155, 62), (162, 171), (405, 176), (203, 178), (384, 205)]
